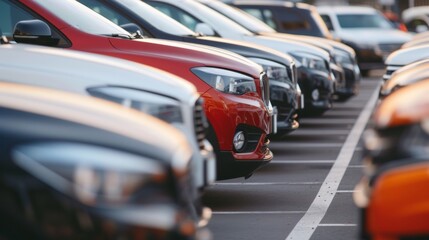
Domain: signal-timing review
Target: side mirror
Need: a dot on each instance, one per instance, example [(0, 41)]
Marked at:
[(34, 32), (204, 29), (421, 28), (133, 29)]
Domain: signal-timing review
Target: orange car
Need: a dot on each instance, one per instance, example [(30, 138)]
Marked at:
[(392, 193)]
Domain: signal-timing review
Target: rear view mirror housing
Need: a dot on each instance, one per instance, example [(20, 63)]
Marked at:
[(34, 32)]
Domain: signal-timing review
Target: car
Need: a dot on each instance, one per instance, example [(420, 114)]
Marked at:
[(343, 58), (70, 170), (285, 94), (404, 57), (314, 73), (367, 31), (418, 40), (241, 145), (395, 159), (416, 19), (404, 76), (286, 16), (143, 88)]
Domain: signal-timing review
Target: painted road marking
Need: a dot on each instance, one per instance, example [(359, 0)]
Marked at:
[(302, 161), (257, 212), (305, 228), (305, 145), (266, 183), (337, 225)]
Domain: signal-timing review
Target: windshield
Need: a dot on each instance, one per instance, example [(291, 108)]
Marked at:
[(363, 21), (237, 15), (162, 21), (81, 17)]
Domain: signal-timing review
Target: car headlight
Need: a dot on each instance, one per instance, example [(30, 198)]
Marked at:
[(342, 57), (159, 106), (275, 71), (225, 81), (91, 174), (311, 61)]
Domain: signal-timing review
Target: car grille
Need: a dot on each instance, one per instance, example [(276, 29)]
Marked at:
[(389, 71), (388, 48), (265, 88), (200, 122)]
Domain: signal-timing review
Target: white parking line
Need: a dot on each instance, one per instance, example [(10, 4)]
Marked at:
[(356, 166), (305, 145), (337, 225), (323, 132), (302, 161), (346, 191), (305, 228), (305, 121), (266, 183), (257, 212)]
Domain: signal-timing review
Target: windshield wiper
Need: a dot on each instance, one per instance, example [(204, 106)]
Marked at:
[(119, 35)]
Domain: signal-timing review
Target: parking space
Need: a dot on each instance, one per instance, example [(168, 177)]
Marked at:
[(279, 200)]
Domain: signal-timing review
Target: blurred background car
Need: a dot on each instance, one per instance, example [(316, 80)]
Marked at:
[(416, 19), (285, 94), (241, 146), (314, 74), (286, 16), (145, 89), (403, 57), (343, 59), (367, 31), (404, 76), (70, 170), (395, 159)]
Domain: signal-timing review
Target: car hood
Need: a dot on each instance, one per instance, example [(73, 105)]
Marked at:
[(194, 55), (407, 77), (86, 70), (374, 36), (287, 46), (408, 55), (314, 41), (87, 119), (247, 49)]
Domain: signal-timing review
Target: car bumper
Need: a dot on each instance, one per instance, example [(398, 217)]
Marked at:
[(318, 89), (233, 165)]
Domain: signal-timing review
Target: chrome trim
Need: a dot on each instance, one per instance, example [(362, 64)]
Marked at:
[(389, 71)]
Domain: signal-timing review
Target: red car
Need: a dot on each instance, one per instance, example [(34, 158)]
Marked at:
[(235, 90)]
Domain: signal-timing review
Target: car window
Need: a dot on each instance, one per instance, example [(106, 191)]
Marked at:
[(264, 15), (327, 21), (11, 13), (293, 20), (177, 14), (363, 21), (103, 9)]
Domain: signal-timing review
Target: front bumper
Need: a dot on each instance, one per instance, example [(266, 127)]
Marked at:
[(318, 89), (286, 100), (236, 165), (352, 81)]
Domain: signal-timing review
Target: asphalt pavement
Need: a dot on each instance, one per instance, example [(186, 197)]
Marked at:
[(306, 190)]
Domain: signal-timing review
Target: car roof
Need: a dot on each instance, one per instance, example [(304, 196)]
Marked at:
[(414, 11), (272, 3), (346, 9)]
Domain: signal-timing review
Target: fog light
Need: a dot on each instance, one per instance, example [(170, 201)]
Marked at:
[(239, 140), (315, 94)]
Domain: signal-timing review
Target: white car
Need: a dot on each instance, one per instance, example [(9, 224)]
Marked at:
[(416, 19), (404, 57), (134, 85), (201, 18), (366, 30)]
